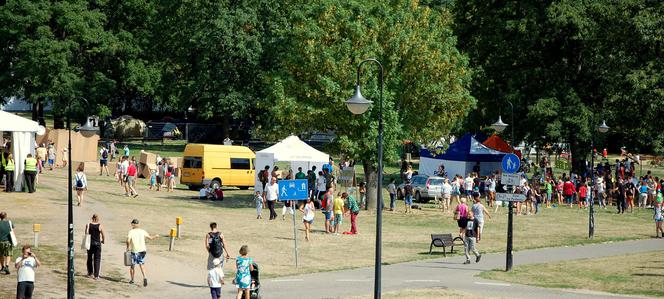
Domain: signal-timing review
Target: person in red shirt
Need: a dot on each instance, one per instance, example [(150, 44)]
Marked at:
[(131, 176), (568, 191), (583, 196)]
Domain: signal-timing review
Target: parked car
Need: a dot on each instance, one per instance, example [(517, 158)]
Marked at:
[(425, 188)]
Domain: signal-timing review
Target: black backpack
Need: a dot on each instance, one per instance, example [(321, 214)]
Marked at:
[(216, 246), (104, 154), (79, 182)]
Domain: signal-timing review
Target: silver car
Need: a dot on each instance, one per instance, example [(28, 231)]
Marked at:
[(425, 187)]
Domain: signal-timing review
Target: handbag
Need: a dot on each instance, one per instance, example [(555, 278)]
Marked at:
[(85, 245), (12, 234), (128, 261)]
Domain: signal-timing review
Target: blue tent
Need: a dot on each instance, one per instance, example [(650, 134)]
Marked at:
[(460, 158)]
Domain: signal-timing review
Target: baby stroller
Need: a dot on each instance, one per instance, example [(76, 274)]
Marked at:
[(255, 283)]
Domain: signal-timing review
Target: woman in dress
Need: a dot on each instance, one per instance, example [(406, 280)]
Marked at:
[(80, 183), (308, 209), (244, 265)]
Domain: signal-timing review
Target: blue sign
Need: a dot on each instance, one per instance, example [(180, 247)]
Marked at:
[(293, 190), (511, 163)]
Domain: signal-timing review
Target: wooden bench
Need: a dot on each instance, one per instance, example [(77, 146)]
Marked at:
[(445, 241)]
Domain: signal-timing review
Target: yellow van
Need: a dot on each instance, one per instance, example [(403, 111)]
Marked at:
[(218, 165)]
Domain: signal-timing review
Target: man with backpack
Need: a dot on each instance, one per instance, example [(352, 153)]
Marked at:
[(103, 161), (215, 245), (263, 177)]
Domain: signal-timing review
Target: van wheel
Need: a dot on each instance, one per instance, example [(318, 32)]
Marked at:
[(244, 188), (216, 183)]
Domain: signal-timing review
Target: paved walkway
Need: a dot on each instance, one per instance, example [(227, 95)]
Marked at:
[(451, 273)]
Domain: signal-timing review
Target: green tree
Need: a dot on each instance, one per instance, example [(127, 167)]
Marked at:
[(426, 78), (566, 65)]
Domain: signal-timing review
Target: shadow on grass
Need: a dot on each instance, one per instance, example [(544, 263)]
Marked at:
[(235, 201), (186, 285), (648, 274)]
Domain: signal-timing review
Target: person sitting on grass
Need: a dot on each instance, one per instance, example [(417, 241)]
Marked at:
[(470, 238), (218, 194), (204, 192)]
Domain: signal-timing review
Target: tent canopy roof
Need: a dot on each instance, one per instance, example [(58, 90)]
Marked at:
[(14, 123), (467, 148), (294, 149), (497, 143)]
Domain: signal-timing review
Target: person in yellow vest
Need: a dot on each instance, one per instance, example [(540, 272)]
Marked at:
[(9, 173), (30, 173)]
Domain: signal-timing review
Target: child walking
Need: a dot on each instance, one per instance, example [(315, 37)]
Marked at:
[(470, 238), (153, 179), (658, 220), (258, 198), (215, 279), (244, 265)]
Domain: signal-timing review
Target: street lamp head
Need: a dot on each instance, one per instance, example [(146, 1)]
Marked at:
[(499, 125), (88, 129), (603, 128), (358, 104)]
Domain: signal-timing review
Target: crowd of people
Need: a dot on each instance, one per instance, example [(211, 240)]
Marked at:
[(322, 186)]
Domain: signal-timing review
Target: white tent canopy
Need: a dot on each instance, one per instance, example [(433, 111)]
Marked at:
[(292, 150), (23, 141)]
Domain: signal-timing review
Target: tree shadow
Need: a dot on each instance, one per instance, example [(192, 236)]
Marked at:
[(648, 274)]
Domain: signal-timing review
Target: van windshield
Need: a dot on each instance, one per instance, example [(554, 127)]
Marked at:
[(193, 162)]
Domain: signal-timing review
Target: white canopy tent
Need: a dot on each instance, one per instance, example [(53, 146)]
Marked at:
[(22, 141), (292, 150)]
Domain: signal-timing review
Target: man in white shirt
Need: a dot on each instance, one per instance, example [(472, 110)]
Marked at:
[(468, 186), (26, 265), (136, 245), (272, 194), (321, 185), (446, 190), (216, 278)]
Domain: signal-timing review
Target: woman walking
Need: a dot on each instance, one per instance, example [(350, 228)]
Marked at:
[(244, 265), (460, 215), (80, 183), (309, 211), (96, 232)]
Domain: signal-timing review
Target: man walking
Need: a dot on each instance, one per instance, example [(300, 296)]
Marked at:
[(272, 192), (26, 265), (136, 245), (215, 245), (470, 238), (6, 246), (103, 161)]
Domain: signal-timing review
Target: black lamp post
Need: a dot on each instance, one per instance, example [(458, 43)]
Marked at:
[(500, 126), (603, 128), (358, 105), (70, 206)]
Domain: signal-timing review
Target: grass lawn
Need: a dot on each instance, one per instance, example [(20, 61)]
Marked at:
[(422, 293), (636, 274)]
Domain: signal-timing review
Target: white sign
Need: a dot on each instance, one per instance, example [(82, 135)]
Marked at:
[(510, 179), (510, 197)]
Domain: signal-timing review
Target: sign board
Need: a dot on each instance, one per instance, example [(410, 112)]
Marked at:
[(510, 197), (510, 179), (511, 163), (347, 177), (293, 190)]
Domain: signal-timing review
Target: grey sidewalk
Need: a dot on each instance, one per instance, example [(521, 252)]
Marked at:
[(452, 274)]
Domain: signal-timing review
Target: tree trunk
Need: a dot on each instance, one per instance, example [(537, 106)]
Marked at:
[(58, 120), (371, 178)]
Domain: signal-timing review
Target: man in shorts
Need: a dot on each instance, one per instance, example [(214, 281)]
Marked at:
[(103, 161), (328, 209), (338, 210), (136, 245)]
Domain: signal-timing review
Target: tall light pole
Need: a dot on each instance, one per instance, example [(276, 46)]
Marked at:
[(500, 126), (603, 128), (358, 105), (70, 206)]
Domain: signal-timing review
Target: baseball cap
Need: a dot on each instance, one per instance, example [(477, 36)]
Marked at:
[(135, 221), (216, 262)]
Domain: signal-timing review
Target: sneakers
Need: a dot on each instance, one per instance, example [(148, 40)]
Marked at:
[(466, 262), (131, 281), (477, 259), (145, 282)]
